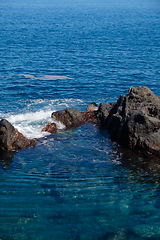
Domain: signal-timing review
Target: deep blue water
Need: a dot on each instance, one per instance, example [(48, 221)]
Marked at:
[(76, 184)]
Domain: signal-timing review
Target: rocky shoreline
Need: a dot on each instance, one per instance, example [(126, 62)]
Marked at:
[(133, 122)]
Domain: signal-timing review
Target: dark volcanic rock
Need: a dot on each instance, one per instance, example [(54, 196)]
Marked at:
[(97, 114), (88, 116), (50, 127), (69, 117), (11, 139), (73, 118), (103, 112), (134, 121)]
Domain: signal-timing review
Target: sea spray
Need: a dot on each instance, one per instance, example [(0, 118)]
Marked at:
[(31, 123), (35, 114)]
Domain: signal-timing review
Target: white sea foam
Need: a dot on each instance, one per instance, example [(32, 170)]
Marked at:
[(31, 123), (37, 113)]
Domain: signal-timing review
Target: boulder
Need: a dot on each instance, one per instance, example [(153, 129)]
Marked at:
[(69, 117), (72, 117), (50, 127), (103, 112), (11, 139), (97, 114), (92, 107), (134, 121)]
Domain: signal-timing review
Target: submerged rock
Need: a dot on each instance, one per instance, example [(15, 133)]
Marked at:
[(134, 121), (11, 139)]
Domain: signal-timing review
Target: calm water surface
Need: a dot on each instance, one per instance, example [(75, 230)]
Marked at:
[(76, 184)]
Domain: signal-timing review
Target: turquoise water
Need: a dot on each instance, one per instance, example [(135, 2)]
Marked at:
[(76, 184)]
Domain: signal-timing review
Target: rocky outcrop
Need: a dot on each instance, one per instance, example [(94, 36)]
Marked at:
[(11, 139), (69, 117), (95, 114), (103, 113), (134, 121)]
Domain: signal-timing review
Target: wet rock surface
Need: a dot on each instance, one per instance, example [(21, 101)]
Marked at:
[(69, 117), (95, 114), (11, 139), (50, 127), (133, 122)]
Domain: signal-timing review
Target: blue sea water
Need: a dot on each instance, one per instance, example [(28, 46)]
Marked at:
[(76, 184)]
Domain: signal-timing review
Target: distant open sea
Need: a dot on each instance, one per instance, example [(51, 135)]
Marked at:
[(77, 184)]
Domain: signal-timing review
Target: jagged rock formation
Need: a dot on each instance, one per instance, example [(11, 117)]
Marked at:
[(134, 121), (11, 139)]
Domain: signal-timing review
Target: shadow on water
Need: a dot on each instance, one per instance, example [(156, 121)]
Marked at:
[(6, 159), (53, 191), (109, 191), (124, 235), (139, 162), (134, 160)]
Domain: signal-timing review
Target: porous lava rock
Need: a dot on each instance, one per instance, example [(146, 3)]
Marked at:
[(69, 117), (11, 139), (134, 121)]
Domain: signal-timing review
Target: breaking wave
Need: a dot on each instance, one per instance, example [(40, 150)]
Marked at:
[(36, 114), (30, 124)]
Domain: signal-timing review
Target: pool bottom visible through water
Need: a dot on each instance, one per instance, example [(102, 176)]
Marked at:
[(78, 185)]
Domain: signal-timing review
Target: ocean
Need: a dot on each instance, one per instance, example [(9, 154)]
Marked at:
[(76, 184)]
